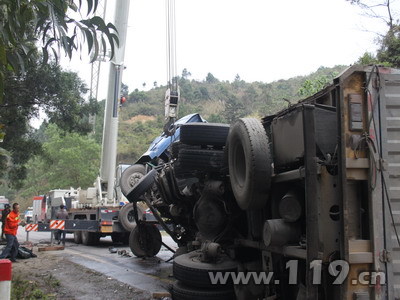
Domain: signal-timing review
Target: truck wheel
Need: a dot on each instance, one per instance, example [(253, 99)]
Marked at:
[(189, 269), (77, 237), (176, 147), (145, 240), (201, 160), (90, 238), (127, 218), (130, 177), (213, 134), (143, 185), (249, 162), (182, 292)]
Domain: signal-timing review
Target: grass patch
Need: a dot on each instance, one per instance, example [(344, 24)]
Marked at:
[(29, 289)]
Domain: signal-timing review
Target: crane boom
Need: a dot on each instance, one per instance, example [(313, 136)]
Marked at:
[(110, 128)]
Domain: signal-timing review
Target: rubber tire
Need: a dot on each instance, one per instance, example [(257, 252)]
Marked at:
[(126, 213), (201, 160), (90, 238), (249, 162), (182, 292), (176, 147), (153, 240), (78, 237), (144, 184), (188, 269), (214, 134), (130, 177)]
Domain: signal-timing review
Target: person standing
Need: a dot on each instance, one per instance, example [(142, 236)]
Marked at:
[(10, 229), (62, 214), (4, 214)]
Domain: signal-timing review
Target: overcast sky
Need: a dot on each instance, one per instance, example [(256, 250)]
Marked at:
[(260, 40)]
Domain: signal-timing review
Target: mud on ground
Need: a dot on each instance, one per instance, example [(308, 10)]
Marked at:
[(49, 276)]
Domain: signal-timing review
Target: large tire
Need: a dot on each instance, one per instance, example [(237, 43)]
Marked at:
[(78, 237), (130, 177), (213, 134), (183, 292), (90, 238), (145, 240), (189, 269), (127, 218), (142, 186), (176, 147), (249, 161), (201, 160)]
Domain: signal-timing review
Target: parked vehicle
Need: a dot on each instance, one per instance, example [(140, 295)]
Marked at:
[(308, 196), (28, 215), (3, 202)]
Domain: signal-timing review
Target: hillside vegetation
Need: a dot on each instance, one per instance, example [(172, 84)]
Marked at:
[(142, 116)]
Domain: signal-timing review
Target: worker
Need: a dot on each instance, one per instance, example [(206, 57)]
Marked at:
[(4, 214), (13, 219), (62, 214)]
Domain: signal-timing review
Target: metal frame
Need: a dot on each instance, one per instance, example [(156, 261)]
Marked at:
[(312, 196)]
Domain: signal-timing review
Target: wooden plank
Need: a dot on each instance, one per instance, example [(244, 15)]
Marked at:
[(50, 248)]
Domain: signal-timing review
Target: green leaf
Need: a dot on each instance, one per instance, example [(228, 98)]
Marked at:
[(89, 38), (55, 55), (96, 49), (99, 22), (96, 3), (90, 5), (45, 55)]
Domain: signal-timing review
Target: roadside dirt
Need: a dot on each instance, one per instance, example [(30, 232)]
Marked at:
[(59, 278)]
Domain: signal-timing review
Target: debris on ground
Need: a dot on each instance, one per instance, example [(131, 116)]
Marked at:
[(52, 276)]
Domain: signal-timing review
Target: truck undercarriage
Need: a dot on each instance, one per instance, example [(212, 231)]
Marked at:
[(300, 205)]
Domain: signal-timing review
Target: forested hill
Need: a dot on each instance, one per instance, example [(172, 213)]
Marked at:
[(141, 117)]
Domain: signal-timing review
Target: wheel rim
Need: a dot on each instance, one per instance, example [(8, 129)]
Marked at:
[(131, 216), (134, 178)]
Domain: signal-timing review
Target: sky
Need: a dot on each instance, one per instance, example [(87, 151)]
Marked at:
[(261, 40)]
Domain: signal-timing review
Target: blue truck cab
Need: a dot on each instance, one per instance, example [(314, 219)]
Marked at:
[(158, 148)]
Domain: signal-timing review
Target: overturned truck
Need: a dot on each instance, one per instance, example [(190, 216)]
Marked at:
[(303, 204)]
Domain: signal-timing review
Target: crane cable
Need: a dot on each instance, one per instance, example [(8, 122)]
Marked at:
[(171, 45), (172, 94)]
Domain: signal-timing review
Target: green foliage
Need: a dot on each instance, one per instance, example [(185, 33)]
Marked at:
[(368, 58), (30, 289), (134, 139), (26, 24), (317, 83), (310, 87), (389, 51), (27, 289), (57, 93), (68, 160), (234, 109), (211, 79)]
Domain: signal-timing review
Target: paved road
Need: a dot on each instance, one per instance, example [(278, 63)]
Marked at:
[(151, 274)]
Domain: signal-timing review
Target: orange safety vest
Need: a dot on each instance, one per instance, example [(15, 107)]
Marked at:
[(12, 222)]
